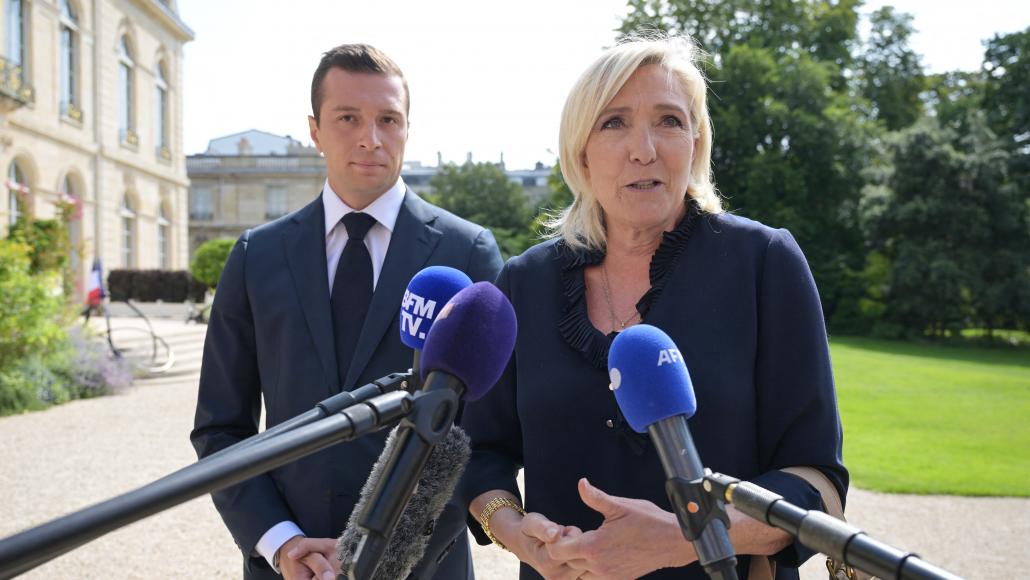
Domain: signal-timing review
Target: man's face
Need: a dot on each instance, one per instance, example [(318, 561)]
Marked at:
[(362, 129)]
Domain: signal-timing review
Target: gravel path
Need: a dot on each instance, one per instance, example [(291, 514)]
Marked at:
[(56, 461)]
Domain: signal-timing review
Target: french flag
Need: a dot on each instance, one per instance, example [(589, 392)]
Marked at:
[(95, 288)]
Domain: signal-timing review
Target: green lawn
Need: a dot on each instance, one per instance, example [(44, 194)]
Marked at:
[(934, 419)]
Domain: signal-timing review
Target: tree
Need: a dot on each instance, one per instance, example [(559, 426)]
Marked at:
[(1007, 101), (891, 76), (822, 29), (954, 231), (1000, 288), (550, 207), (952, 96), (209, 260), (561, 196), (482, 194)]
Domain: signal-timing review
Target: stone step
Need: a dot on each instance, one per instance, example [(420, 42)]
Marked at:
[(132, 335)]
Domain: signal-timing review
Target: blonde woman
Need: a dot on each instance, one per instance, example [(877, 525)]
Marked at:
[(646, 240)]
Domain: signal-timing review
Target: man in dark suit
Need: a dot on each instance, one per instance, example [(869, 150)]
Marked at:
[(308, 305)]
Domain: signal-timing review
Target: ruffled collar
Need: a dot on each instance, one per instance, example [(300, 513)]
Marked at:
[(575, 325)]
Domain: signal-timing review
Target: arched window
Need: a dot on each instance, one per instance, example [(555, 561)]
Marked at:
[(128, 233), (17, 192), (126, 80), (69, 61), (161, 112), (164, 254), (68, 186)]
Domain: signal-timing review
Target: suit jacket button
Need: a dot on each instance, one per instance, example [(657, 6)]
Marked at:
[(609, 423)]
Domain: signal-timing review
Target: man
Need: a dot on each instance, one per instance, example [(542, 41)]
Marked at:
[(308, 305)]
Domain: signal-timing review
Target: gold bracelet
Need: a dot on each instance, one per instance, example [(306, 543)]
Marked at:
[(488, 512)]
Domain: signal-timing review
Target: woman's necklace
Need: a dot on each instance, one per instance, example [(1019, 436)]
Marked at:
[(617, 323)]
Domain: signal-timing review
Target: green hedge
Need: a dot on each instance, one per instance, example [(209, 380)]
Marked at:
[(154, 285)]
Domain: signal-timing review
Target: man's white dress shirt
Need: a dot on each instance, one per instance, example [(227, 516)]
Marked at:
[(385, 210)]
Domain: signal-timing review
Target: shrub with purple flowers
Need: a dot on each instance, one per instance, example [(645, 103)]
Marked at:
[(89, 368), (79, 367)]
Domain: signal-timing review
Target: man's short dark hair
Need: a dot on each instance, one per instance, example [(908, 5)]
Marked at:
[(355, 58)]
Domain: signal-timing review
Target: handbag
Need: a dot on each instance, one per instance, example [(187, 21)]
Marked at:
[(764, 568)]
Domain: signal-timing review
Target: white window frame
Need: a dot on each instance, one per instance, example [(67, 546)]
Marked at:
[(68, 35), (15, 31), (164, 253), (276, 201), (126, 90), (161, 108), (128, 215), (15, 184)]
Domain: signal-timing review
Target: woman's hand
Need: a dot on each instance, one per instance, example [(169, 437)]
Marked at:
[(529, 536), (637, 537)]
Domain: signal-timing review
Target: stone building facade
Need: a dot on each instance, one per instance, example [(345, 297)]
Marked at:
[(91, 114), (249, 178)]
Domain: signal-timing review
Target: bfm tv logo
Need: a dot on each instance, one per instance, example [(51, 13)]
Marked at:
[(414, 311)]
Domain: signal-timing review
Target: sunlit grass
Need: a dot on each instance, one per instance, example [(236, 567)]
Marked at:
[(934, 419), (1005, 337)]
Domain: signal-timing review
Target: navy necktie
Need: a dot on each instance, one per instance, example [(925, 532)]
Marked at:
[(352, 290)]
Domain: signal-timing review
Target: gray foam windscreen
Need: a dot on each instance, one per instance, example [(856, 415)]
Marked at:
[(411, 536)]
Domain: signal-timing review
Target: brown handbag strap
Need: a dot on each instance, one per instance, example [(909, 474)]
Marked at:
[(834, 507), (815, 478), (763, 567)]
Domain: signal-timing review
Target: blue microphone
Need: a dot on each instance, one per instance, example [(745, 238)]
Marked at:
[(426, 294), (655, 394)]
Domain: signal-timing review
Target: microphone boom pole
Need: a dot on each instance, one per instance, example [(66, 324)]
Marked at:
[(33, 547), (330, 406), (822, 532)]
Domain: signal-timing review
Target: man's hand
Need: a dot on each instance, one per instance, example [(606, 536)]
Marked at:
[(637, 537), (303, 558)]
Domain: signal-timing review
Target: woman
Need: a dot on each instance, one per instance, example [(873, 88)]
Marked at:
[(646, 240)]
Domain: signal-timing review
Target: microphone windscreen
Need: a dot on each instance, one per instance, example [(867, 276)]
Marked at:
[(472, 338), (649, 377), (425, 296), (410, 538)]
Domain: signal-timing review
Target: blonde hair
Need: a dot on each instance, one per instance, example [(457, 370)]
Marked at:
[(581, 224)]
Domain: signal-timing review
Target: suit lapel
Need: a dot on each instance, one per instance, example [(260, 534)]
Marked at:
[(411, 244), (305, 254)]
